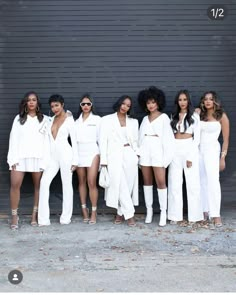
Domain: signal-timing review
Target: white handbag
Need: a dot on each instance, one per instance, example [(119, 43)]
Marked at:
[(104, 179)]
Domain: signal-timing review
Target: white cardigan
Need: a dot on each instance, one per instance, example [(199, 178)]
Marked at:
[(28, 140)]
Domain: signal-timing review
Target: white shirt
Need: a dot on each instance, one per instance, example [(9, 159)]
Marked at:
[(88, 130)]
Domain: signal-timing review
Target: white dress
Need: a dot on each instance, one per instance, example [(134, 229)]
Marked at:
[(87, 134), (28, 145)]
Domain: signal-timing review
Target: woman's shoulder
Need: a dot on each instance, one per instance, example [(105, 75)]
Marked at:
[(164, 117), (96, 117)]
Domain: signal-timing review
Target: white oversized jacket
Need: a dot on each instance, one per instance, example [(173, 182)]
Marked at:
[(29, 140)]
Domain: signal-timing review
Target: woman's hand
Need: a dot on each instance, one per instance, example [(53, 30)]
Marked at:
[(13, 167), (189, 164), (73, 168), (222, 163)]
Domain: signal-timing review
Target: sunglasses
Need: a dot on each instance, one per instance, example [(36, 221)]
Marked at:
[(89, 104)]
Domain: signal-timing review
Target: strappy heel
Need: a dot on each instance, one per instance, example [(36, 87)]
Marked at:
[(94, 209), (85, 219), (14, 212), (34, 214)]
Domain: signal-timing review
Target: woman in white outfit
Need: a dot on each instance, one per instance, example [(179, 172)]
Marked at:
[(156, 144), (87, 134), (185, 124), (213, 121), (26, 152), (63, 156), (118, 148)]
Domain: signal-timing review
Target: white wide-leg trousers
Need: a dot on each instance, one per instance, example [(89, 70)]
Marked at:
[(175, 181), (210, 179), (64, 165), (129, 174)]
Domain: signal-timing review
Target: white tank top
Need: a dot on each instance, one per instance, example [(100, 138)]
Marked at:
[(210, 131)]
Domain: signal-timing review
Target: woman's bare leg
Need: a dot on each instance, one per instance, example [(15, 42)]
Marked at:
[(147, 175), (92, 173), (82, 188), (36, 176), (16, 182)]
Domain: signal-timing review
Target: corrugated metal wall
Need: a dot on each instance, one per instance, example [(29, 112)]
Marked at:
[(109, 48)]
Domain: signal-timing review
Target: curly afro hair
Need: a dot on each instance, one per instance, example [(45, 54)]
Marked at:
[(152, 93)]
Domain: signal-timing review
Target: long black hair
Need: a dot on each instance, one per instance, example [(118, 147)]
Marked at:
[(23, 110), (118, 103), (218, 109), (175, 114), (152, 93)]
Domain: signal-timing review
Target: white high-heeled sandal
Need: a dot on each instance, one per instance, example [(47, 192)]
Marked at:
[(14, 212), (94, 209), (35, 211), (84, 206)]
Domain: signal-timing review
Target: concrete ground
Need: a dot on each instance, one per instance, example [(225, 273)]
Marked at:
[(116, 258)]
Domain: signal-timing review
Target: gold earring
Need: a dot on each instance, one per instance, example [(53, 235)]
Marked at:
[(37, 109), (26, 110)]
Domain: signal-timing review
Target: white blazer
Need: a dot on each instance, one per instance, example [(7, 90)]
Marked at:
[(111, 148)]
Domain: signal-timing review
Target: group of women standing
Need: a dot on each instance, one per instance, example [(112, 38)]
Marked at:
[(188, 142)]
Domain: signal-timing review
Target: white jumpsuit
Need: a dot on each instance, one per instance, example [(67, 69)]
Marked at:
[(118, 147), (28, 144), (186, 150), (87, 135), (63, 156), (209, 167)]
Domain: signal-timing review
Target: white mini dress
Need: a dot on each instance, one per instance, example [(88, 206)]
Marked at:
[(87, 135)]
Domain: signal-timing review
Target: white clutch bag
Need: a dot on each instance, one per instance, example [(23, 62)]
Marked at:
[(104, 179)]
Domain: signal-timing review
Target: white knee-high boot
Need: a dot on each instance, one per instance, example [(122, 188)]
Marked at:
[(148, 196), (162, 195)]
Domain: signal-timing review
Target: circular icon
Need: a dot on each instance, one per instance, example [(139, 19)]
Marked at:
[(15, 277), (217, 12)]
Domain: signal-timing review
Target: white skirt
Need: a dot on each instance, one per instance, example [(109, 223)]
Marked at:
[(29, 165), (86, 153)]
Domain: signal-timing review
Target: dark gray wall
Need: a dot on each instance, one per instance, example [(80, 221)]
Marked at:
[(110, 48)]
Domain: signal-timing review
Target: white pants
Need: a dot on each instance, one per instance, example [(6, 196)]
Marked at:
[(64, 164), (127, 180), (175, 181), (210, 179)]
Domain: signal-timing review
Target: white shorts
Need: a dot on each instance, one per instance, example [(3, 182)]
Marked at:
[(151, 153), (86, 153), (29, 165)]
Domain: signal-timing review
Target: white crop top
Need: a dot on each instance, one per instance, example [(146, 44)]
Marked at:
[(190, 129)]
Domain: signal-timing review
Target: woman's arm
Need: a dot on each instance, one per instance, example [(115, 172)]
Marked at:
[(225, 127), (12, 156)]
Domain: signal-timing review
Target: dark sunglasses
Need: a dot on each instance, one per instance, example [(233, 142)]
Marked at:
[(89, 104)]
